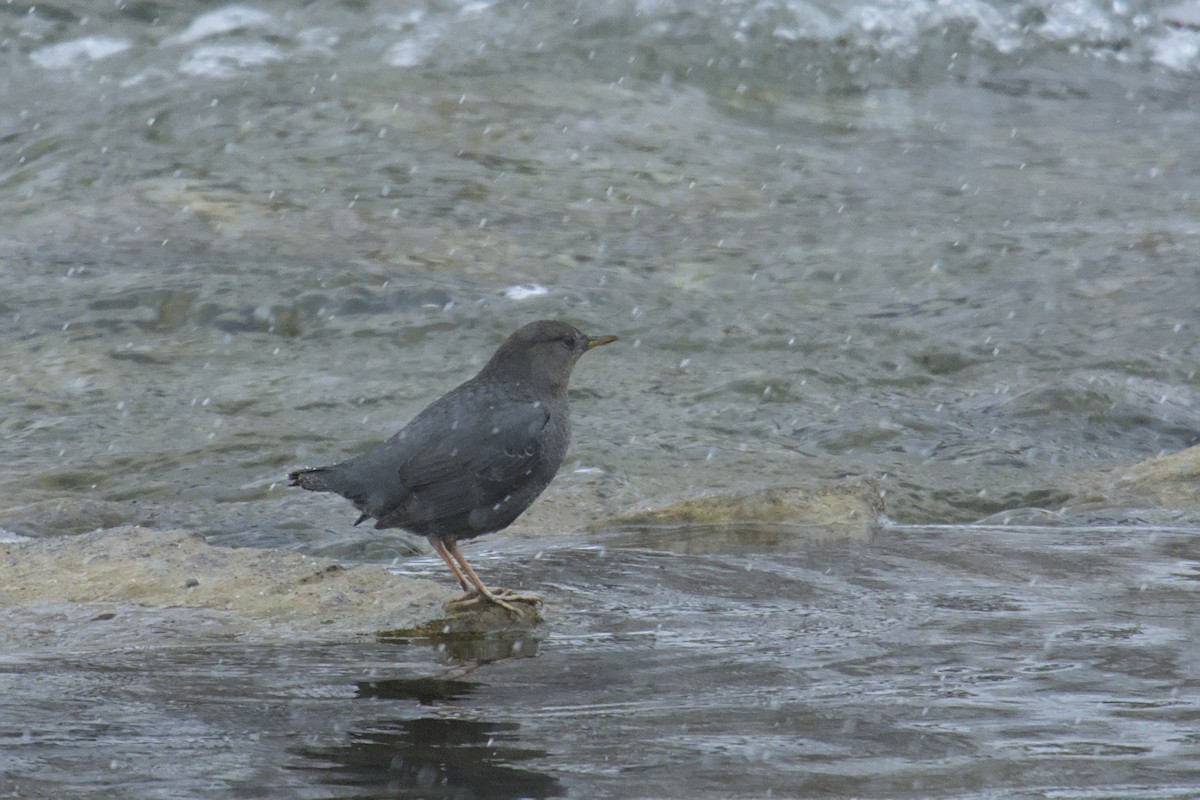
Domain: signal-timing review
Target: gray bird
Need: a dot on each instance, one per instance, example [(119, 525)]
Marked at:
[(475, 459)]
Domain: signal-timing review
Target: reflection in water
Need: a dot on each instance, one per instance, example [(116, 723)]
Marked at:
[(473, 649), (432, 756), (426, 691), (437, 756)]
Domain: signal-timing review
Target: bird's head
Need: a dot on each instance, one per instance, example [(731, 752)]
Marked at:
[(544, 353)]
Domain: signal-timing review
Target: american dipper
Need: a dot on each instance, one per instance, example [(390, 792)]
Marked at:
[(475, 459)]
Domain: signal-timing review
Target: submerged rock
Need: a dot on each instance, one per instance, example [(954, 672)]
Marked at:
[(848, 505), (847, 509), (267, 593), (1172, 480), (65, 515)]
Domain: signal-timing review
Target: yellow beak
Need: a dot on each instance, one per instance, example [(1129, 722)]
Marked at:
[(596, 341)]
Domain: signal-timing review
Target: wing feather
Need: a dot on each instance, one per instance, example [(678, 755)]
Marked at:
[(472, 466)]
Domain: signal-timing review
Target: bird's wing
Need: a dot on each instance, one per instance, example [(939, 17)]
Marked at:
[(476, 464)]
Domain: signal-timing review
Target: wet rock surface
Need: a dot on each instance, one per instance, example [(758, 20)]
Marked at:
[(237, 591), (849, 509), (1171, 480)]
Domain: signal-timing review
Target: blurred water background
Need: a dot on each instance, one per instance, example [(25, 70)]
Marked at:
[(951, 245)]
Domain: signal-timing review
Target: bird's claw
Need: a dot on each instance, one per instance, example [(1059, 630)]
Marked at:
[(499, 597)]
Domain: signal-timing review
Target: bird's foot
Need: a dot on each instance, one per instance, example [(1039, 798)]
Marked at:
[(516, 597), (499, 597)]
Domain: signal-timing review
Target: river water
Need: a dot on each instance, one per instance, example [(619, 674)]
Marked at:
[(949, 245)]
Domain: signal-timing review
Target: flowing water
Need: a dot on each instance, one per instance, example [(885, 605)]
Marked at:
[(949, 245), (965, 661)]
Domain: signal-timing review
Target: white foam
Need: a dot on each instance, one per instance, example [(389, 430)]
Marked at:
[(78, 51), (522, 292), (8, 537), (222, 21), (1177, 50), (228, 60), (409, 52)]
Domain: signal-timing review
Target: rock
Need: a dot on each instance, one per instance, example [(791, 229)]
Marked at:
[(847, 509), (1172, 480), (257, 592)]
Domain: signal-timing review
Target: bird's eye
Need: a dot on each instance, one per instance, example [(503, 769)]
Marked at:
[(568, 342)]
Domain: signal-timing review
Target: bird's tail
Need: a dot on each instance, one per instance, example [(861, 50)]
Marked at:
[(315, 480), (330, 479)]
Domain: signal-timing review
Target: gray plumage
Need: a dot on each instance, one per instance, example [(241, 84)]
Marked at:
[(476, 458)]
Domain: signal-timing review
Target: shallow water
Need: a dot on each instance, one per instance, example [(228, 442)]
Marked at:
[(967, 661), (977, 281), (949, 245)]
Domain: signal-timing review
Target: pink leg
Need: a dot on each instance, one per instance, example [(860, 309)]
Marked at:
[(440, 547), (500, 596)]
